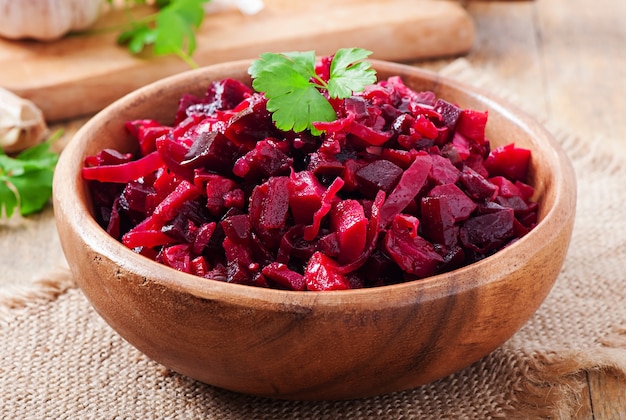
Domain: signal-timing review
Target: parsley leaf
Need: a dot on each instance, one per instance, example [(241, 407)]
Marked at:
[(295, 91), (169, 31), (26, 179)]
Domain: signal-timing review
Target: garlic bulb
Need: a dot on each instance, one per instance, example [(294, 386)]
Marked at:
[(46, 20), (22, 124)]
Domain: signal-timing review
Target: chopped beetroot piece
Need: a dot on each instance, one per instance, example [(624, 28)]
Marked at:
[(459, 204), (443, 171), (472, 124), (211, 150), (526, 190), (350, 168), (410, 184), (146, 132), (235, 199), (378, 175), (265, 160), (124, 172), (252, 124), (506, 188), (311, 231), (275, 207), (476, 186), (322, 164), (449, 114), (167, 209), (438, 222), (406, 223), (348, 220), (199, 266), (176, 256), (401, 158), (329, 245), (321, 274), (226, 94), (237, 228), (489, 231), (135, 195), (373, 231), (415, 256), (509, 161), (425, 127), (216, 189), (203, 236), (285, 277), (305, 196)]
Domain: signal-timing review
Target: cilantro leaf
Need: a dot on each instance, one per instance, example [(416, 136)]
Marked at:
[(295, 91), (169, 31), (348, 74), (26, 179)]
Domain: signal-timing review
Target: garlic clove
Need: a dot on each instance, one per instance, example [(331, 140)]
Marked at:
[(46, 20), (22, 123)]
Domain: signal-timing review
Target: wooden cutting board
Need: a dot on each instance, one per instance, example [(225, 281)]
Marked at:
[(80, 75)]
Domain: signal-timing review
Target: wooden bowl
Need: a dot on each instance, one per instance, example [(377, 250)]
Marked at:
[(314, 345)]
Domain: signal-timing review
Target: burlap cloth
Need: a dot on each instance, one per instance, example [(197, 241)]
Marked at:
[(60, 360)]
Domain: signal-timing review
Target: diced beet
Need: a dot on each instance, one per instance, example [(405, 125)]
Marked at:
[(322, 164), (265, 160), (305, 196), (438, 224), (489, 231), (252, 124), (415, 256), (348, 220), (410, 184), (449, 116), (477, 186), (509, 161), (321, 274), (459, 204), (216, 189), (285, 277), (378, 175), (472, 124), (275, 205), (237, 228), (211, 150), (443, 171)]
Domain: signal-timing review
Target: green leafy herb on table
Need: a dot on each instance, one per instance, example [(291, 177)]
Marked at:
[(171, 30), (26, 179), (295, 91)]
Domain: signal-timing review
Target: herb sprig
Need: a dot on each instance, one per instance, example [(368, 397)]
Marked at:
[(295, 92), (26, 179), (171, 30)]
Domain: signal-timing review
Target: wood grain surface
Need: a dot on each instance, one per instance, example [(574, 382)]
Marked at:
[(568, 57)]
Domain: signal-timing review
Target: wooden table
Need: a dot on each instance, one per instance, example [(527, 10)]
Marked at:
[(567, 57)]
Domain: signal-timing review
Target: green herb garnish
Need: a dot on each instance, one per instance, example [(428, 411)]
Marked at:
[(169, 31), (26, 179), (295, 91)]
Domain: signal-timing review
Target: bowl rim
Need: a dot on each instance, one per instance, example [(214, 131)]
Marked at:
[(97, 238)]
